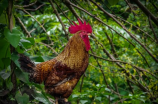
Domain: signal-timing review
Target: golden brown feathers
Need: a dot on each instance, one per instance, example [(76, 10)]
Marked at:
[(61, 74)]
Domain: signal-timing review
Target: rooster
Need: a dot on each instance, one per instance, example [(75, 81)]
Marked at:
[(61, 74)]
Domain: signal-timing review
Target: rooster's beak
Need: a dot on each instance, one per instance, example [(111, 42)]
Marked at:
[(89, 34)]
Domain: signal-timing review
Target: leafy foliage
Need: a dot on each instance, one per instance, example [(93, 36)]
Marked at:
[(123, 64)]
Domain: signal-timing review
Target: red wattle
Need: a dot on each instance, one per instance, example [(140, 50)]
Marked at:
[(87, 43)]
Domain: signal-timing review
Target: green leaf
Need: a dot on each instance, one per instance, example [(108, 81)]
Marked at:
[(3, 19), (15, 58), (98, 98), (107, 89), (83, 101), (19, 49), (24, 40), (46, 58), (6, 62), (3, 5), (75, 96), (37, 59), (12, 37), (113, 2), (4, 53), (4, 74), (42, 98), (9, 85), (21, 75), (22, 99), (27, 43)]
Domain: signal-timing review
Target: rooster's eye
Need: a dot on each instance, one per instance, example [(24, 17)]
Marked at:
[(83, 36)]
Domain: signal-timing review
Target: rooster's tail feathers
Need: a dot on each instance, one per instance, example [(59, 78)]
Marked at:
[(26, 64)]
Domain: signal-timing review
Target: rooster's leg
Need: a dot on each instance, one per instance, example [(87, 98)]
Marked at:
[(65, 99), (56, 100)]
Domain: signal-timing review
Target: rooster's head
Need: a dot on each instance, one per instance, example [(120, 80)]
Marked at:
[(84, 30)]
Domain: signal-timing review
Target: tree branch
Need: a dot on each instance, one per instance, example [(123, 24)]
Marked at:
[(50, 48), (112, 45), (57, 14), (38, 23), (12, 49), (63, 12), (72, 9), (152, 28), (130, 6), (146, 11), (19, 20), (139, 68), (131, 35), (36, 8), (135, 27)]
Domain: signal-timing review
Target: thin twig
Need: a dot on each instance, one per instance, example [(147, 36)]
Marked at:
[(109, 87), (153, 5), (39, 24), (131, 35), (23, 26), (128, 74), (112, 45), (135, 27), (130, 87), (72, 10), (36, 8), (100, 67), (78, 100), (32, 30), (24, 6), (130, 6), (63, 12), (114, 29), (57, 14), (151, 26), (139, 68), (146, 11), (50, 48)]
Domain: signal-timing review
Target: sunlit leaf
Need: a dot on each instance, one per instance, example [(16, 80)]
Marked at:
[(83, 101)]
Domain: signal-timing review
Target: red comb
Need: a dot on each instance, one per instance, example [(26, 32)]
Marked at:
[(82, 26)]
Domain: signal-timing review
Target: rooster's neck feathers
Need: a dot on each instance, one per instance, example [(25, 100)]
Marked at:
[(74, 53)]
